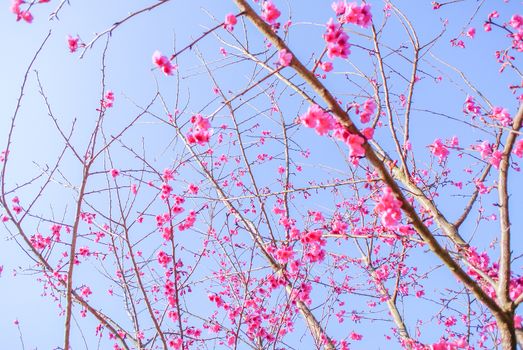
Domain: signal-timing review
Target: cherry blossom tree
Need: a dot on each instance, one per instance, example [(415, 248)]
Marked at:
[(265, 174)]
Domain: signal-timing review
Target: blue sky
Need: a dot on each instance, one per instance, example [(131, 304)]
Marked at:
[(73, 88)]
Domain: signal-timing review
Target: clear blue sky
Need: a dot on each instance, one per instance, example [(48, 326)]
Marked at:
[(73, 86)]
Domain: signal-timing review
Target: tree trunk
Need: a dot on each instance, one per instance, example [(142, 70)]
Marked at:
[(508, 334)]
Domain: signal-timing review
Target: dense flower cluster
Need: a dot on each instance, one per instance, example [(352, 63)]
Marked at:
[(353, 13), (389, 208), (269, 12), (200, 131), (337, 40)]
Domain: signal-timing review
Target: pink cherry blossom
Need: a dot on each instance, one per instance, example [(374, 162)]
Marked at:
[(485, 149), (389, 208), (355, 143), (163, 259), (326, 66), (72, 43), (108, 100), (357, 14), (230, 22), (163, 63), (471, 106), (502, 115), (318, 119), (471, 32), (269, 12), (339, 7), (493, 14), (518, 148), (516, 22), (199, 132), (284, 58), (193, 189), (26, 16), (284, 254), (337, 40), (495, 160), (368, 108), (356, 336), (86, 291), (439, 150), (115, 173)]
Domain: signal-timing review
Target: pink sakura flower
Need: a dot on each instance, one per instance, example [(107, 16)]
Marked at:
[(230, 22), (471, 32), (516, 22), (495, 160), (168, 174), (164, 259), (493, 14), (339, 7), (115, 173), (369, 106), (26, 16), (86, 291), (435, 5), (439, 150), (176, 344), (84, 251), (284, 254), (518, 148), (457, 43), (199, 132), (269, 12), (188, 222), (471, 106), (502, 115), (337, 40), (368, 133), (167, 233), (355, 143), (318, 119), (21, 14), (284, 58), (163, 63), (357, 14), (444, 345), (108, 100), (72, 43), (389, 208), (487, 27), (356, 336), (15, 6), (485, 149), (40, 242), (193, 189), (326, 66)]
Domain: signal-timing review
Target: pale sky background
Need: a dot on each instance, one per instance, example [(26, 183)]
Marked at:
[(73, 89)]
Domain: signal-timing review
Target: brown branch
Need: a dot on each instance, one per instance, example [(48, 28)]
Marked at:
[(375, 160), (504, 219)]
